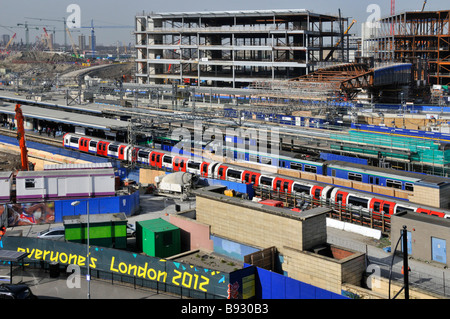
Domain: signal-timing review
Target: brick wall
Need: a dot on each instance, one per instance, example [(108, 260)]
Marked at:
[(292, 237)]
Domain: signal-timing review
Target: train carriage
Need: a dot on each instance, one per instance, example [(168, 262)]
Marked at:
[(339, 197)]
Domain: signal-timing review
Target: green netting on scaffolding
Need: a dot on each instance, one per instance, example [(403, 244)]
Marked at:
[(425, 151)]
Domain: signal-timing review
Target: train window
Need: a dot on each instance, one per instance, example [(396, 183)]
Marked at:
[(301, 188), (153, 156), (113, 148), (356, 201), (333, 172), (339, 198), (374, 180), (285, 185), (253, 158), (246, 177), (409, 187), (121, 151), (93, 144), (234, 174), (221, 171), (296, 166), (158, 158), (400, 209), (143, 154), (310, 168), (167, 159), (266, 181), (194, 165), (253, 179), (30, 183), (355, 177), (74, 140), (266, 160), (393, 184), (282, 164)]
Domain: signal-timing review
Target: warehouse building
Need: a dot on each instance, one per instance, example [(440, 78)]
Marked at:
[(235, 48)]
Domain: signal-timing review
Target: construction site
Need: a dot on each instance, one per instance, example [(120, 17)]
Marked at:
[(359, 123)]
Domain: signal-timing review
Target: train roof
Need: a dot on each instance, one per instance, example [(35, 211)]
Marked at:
[(415, 177), (5, 175), (65, 173)]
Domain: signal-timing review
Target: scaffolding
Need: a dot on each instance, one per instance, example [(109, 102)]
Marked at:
[(235, 48), (421, 38)]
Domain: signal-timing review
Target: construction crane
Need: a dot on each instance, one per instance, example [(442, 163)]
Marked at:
[(74, 48), (10, 41), (21, 137), (340, 40), (27, 28), (92, 27), (424, 4), (49, 40), (56, 20)]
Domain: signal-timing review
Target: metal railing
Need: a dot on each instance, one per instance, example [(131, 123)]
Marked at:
[(126, 281)]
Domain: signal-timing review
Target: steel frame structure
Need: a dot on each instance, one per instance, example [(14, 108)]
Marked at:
[(234, 48), (416, 37)]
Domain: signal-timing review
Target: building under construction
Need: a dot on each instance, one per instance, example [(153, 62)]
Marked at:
[(418, 37), (236, 48)]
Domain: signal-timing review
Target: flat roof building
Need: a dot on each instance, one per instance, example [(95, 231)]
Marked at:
[(235, 48)]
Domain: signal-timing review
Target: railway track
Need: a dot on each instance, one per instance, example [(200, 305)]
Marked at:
[(34, 137)]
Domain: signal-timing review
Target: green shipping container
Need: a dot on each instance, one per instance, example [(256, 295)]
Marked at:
[(158, 238), (106, 230)]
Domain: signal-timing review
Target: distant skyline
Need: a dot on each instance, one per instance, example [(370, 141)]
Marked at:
[(122, 13)]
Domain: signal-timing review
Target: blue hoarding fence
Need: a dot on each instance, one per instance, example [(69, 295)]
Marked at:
[(271, 285), (127, 204)]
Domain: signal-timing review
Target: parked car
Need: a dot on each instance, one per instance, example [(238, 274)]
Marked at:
[(131, 230), (20, 291), (55, 233)]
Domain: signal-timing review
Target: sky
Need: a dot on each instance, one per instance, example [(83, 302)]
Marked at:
[(107, 13)]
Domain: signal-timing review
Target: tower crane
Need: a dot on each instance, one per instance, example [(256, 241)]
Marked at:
[(92, 27), (63, 20), (21, 137)]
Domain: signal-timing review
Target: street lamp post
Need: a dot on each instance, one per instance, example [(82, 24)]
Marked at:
[(88, 253)]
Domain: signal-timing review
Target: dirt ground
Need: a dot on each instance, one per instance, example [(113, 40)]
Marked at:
[(40, 64), (9, 162)]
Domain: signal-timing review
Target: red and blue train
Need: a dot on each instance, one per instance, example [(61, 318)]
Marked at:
[(338, 196)]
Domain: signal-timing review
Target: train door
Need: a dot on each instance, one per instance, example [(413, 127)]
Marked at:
[(222, 172), (277, 184), (316, 192), (122, 153), (84, 144), (156, 159), (176, 164), (254, 178), (204, 169), (246, 177), (388, 208), (102, 148), (340, 199)]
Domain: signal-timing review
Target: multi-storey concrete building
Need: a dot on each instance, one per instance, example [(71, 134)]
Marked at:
[(235, 48)]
